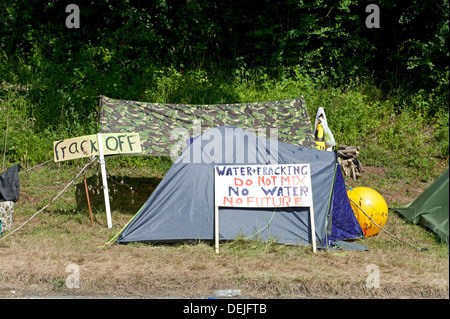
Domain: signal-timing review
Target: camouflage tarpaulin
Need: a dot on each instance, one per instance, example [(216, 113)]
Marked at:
[(157, 122)]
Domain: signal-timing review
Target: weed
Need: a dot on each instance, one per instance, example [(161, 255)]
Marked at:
[(58, 283)]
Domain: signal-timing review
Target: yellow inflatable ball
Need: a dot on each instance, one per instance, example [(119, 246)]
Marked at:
[(369, 201)]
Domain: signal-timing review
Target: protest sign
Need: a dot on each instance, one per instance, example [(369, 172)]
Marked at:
[(279, 185), (98, 145), (263, 185), (85, 146)]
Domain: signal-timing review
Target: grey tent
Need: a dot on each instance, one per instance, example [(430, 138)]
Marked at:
[(430, 209), (182, 206)]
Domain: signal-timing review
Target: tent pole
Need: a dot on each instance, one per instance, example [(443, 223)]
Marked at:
[(216, 228), (105, 181)]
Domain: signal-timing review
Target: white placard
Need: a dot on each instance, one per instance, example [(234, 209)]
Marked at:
[(279, 185), (263, 186)]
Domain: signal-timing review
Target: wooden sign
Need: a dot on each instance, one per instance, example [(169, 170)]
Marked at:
[(85, 146)]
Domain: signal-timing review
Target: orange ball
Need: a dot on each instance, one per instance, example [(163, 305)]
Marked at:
[(368, 201)]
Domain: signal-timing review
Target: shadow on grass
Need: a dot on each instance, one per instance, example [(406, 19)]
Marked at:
[(126, 194)]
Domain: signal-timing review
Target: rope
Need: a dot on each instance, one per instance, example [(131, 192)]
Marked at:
[(39, 211), (262, 229), (35, 166), (421, 249)]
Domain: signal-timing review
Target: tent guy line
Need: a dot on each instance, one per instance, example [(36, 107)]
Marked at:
[(54, 198), (36, 166), (381, 228)]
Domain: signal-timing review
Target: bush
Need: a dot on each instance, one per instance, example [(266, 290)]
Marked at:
[(358, 112)]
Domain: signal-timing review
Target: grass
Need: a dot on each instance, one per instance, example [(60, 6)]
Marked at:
[(399, 146), (358, 113), (34, 260)]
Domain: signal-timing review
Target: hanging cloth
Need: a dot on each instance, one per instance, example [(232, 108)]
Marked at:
[(324, 137), (9, 184)]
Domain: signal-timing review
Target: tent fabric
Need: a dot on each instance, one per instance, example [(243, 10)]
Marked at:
[(9, 184), (182, 206), (160, 124), (431, 209), (342, 224)]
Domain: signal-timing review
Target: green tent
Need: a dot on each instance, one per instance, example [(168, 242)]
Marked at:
[(430, 209)]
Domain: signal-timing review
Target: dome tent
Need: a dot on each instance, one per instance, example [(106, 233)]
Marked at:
[(430, 209), (182, 206)]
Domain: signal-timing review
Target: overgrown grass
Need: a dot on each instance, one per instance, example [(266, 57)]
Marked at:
[(38, 254)]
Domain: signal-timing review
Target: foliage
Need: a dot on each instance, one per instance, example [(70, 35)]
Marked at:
[(204, 52)]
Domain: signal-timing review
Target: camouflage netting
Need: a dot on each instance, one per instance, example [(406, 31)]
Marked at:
[(155, 122)]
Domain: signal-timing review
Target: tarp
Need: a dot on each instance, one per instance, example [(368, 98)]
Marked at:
[(9, 184), (182, 205), (430, 209), (160, 125)]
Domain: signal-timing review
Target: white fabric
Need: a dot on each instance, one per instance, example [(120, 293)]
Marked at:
[(329, 138)]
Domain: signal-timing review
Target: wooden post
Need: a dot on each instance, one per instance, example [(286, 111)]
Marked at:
[(216, 228), (104, 179), (313, 228), (87, 196)]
